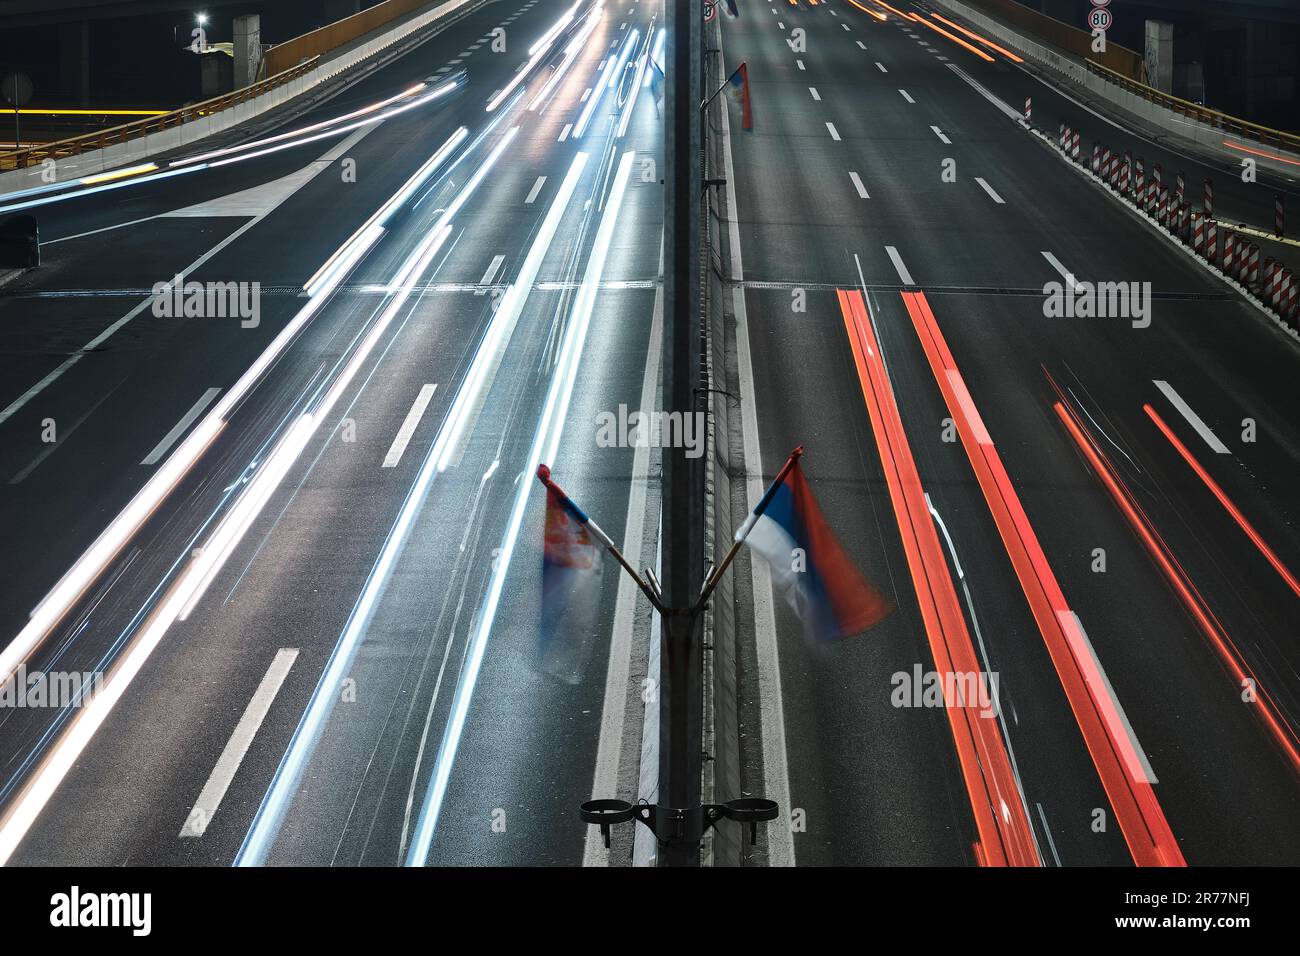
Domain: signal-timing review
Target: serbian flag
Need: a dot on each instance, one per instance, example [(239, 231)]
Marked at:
[(809, 566), (572, 560), (740, 92)]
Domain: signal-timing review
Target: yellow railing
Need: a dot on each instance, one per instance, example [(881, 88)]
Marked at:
[(1229, 124), (35, 155), (331, 36)]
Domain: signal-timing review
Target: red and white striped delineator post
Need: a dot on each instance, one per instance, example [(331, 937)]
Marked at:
[(1162, 208), (1229, 252), (1062, 134), (1208, 202), (1279, 215), (1290, 296), (1211, 241), (1096, 155), (1125, 173), (1105, 163), (1198, 232), (1252, 266), (1029, 110), (1185, 223), (1074, 145), (1180, 189), (1139, 182), (1269, 289)]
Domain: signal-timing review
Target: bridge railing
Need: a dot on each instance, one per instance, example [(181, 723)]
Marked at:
[(1203, 114), (35, 155)]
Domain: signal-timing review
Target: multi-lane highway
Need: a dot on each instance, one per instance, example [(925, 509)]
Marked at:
[(301, 543), (308, 606), (886, 163)]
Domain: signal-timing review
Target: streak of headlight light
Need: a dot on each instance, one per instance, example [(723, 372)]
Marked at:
[(370, 231), (657, 56), (232, 528), (335, 131), (91, 191), (545, 48), (177, 169), (83, 181), (622, 57), (323, 124), (185, 593), (545, 441), (93, 560), (598, 91), (415, 264), (261, 835), (554, 31), (570, 56), (18, 819), (632, 93), (512, 303)]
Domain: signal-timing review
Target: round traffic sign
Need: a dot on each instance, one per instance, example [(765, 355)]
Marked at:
[(1099, 18), (1101, 3), (710, 11)]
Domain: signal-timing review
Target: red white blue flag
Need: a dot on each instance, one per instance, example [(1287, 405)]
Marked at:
[(572, 565), (739, 90), (809, 566)]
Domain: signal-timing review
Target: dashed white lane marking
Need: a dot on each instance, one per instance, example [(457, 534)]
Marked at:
[(861, 45), (815, 95), (196, 824), (943, 139), (846, 26), (181, 427), (943, 59), (403, 437), (898, 264), (857, 184), (1193, 419), (990, 190), (780, 24), (835, 134), (490, 274), (1066, 274), (799, 63), (564, 133), (907, 96), (532, 193), (585, 93), (881, 66)]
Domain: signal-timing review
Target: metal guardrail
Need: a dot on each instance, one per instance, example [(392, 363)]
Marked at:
[(35, 155), (331, 36), (1229, 124)]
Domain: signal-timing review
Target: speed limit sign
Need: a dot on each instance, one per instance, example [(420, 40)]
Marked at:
[(1101, 3), (1099, 18)]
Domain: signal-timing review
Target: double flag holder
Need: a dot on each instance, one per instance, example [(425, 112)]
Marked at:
[(674, 826)]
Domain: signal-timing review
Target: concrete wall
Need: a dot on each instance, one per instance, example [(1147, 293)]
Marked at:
[(139, 150), (1074, 71)]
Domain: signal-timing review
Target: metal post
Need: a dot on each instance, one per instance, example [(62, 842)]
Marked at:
[(680, 678)]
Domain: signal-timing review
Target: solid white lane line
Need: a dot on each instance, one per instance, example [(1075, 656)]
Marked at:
[(835, 134), (857, 184), (564, 133), (228, 763), (898, 264), (409, 424), (489, 275), (1193, 419), (532, 193), (1066, 274), (979, 88), (990, 190), (943, 139), (882, 67), (907, 96), (815, 95), (776, 772), (181, 427)]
